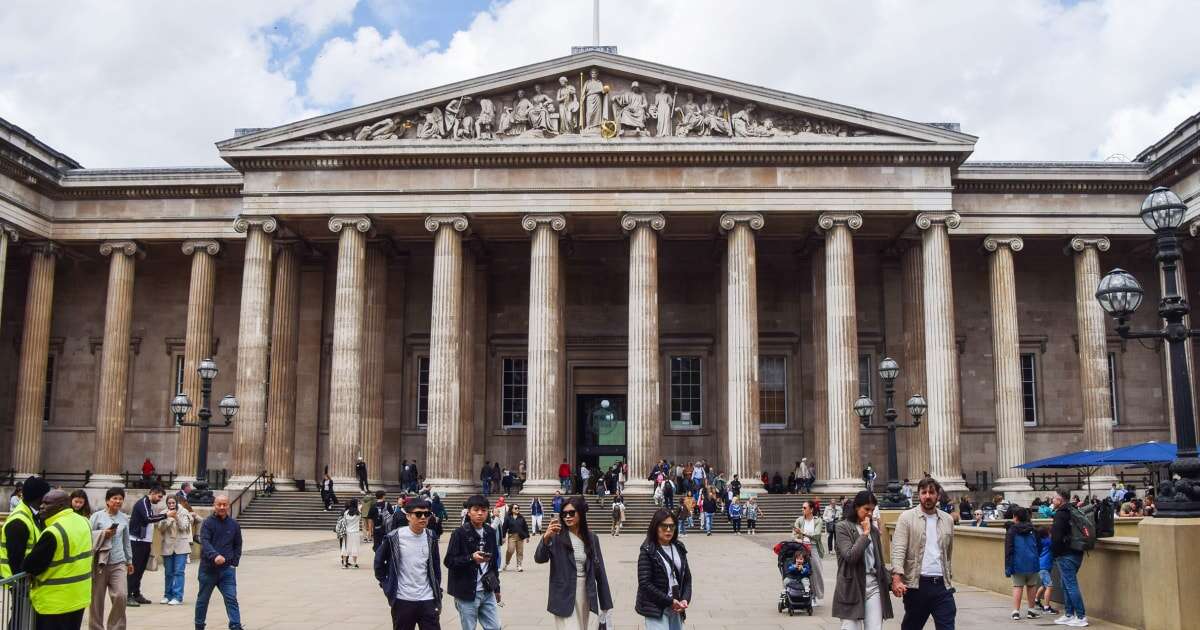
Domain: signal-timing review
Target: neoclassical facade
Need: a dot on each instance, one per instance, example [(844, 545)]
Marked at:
[(635, 262)]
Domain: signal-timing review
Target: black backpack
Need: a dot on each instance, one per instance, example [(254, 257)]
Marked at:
[(1083, 528)]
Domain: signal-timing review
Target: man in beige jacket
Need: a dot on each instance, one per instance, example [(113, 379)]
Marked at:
[(921, 573)]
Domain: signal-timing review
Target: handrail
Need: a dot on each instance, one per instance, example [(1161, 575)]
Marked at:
[(235, 504)]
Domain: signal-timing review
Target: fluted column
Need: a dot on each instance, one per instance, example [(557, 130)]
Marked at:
[(35, 353), (944, 415), (374, 333), (285, 350), (1006, 362), (467, 365), (443, 465), (254, 329), (912, 296), (644, 421), (544, 444), (112, 406), (841, 353), (346, 369), (8, 235), (819, 450), (197, 346), (1093, 350), (743, 441)]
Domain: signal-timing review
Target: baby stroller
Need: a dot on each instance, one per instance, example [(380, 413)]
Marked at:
[(797, 590)]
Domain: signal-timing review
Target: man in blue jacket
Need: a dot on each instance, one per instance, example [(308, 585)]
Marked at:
[(220, 553), (408, 571)]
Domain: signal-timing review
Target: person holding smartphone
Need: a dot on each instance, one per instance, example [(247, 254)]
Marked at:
[(114, 562), (473, 563), (664, 577), (579, 596)]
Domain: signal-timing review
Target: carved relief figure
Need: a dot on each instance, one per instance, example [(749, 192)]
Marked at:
[(486, 120), (593, 101), (568, 107), (690, 116), (432, 126), (504, 127), (520, 121), (663, 110), (745, 126), (458, 123), (714, 118), (630, 109), (542, 111)]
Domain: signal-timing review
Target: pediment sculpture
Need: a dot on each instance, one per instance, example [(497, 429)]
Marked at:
[(587, 106)]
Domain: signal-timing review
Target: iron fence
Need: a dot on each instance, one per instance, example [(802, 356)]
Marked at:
[(16, 612)]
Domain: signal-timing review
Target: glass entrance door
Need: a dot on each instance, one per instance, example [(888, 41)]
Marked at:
[(600, 430)]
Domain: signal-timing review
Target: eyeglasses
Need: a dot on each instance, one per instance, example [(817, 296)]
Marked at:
[(666, 526), (419, 514), (569, 514)]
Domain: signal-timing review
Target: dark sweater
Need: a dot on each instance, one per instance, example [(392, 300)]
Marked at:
[(463, 570), (220, 537), (1060, 532)]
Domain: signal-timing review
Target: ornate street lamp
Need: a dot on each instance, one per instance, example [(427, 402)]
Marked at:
[(1120, 295), (865, 408), (180, 405)]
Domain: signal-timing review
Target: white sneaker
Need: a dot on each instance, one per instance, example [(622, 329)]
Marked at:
[(164, 601), (173, 602), (1064, 620), (1078, 622)]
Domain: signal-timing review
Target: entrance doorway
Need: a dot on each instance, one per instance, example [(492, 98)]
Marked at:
[(600, 429)]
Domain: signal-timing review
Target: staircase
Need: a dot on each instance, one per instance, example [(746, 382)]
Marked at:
[(304, 510)]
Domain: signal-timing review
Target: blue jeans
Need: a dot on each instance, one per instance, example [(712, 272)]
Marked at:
[(683, 524), (482, 610), (1068, 568), (565, 482), (173, 568), (487, 487), (668, 621), (708, 522), (225, 580)]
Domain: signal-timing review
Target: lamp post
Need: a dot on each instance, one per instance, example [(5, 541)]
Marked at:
[(1120, 295), (865, 408), (180, 405)]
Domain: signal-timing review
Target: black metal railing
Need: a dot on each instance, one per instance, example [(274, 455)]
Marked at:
[(16, 611), (1075, 480), (255, 489)]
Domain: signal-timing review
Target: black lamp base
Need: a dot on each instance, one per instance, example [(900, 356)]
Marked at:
[(1180, 498)]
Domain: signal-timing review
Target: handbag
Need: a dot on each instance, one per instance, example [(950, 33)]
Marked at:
[(490, 581)]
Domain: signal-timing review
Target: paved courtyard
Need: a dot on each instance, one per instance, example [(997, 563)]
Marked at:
[(292, 581)]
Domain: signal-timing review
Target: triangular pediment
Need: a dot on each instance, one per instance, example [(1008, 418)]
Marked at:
[(594, 98)]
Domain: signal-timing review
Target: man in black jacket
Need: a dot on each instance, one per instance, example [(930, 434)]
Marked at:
[(407, 568), (360, 471), (141, 534), (1067, 559), (378, 515), (473, 560)]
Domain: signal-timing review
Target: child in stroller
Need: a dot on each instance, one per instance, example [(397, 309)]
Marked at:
[(793, 559)]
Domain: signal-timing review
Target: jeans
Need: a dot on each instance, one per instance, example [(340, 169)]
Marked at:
[(737, 524), (708, 522), (1068, 569), (487, 486), (174, 566), (683, 525), (565, 482), (482, 610), (225, 580), (668, 621)]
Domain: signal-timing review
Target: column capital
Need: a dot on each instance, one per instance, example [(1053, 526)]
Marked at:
[(45, 248), (211, 247), (993, 242), (457, 221), (827, 220), (242, 224), (531, 222), (631, 220), (10, 231), (359, 222), (129, 248), (926, 220), (1080, 244), (753, 220)]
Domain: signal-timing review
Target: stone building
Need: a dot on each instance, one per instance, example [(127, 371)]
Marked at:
[(493, 271)]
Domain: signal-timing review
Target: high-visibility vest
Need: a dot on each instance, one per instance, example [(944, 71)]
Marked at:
[(20, 514), (66, 585)]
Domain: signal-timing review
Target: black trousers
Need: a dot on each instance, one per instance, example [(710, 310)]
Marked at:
[(406, 615), (362, 484), (931, 599), (141, 557), (65, 621)]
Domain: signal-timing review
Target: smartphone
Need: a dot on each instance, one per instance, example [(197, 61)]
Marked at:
[(486, 555), (113, 527)]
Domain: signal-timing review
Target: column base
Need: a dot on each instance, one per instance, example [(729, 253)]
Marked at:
[(182, 479), (637, 487), (1099, 485), (952, 484), (99, 480), (454, 486), (237, 482), (847, 486), (752, 487), (549, 486), (1012, 484)]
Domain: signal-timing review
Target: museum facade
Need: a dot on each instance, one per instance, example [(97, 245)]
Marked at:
[(594, 258)]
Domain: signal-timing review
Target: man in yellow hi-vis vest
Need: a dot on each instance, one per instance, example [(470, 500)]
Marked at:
[(61, 565), (18, 534)]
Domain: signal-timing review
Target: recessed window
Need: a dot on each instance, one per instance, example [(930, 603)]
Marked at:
[(866, 372), (686, 392), (422, 391), (772, 391), (48, 397), (516, 392), (177, 375), (1029, 387), (1112, 387)]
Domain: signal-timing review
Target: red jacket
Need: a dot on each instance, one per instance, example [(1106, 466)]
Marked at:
[(564, 470)]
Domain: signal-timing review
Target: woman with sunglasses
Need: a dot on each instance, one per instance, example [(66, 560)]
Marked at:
[(578, 597), (664, 577)]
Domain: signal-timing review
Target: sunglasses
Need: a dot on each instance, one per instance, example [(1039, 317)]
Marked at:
[(419, 514), (666, 526), (570, 514)]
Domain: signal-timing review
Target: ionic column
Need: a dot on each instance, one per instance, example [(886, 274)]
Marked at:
[(254, 331), (443, 463), (944, 416), (544, 444), (374, 333), (35, 354), (197, 346), (819, 449), (468, 360), (112, 406), (912, 295), (346, 369), (1093, 350), (1006, 361), (644, 421), (8, 234), (742, 438), (841, 353), (285, 350)]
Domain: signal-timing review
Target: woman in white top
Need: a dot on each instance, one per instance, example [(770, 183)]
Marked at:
[(810, 528), (176, 547), (349, 529)]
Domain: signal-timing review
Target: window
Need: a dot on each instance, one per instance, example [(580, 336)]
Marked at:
[(178, 376), (516, 392), (1029, 388), (772, 391), (1112, 387), (866, 374), (48, 397), (422, 391), (685, 392)]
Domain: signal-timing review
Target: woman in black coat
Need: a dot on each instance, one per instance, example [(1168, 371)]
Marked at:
[(578, 597), (664, 577)]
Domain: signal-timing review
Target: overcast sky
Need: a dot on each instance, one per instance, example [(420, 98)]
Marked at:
[(155, 83)]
